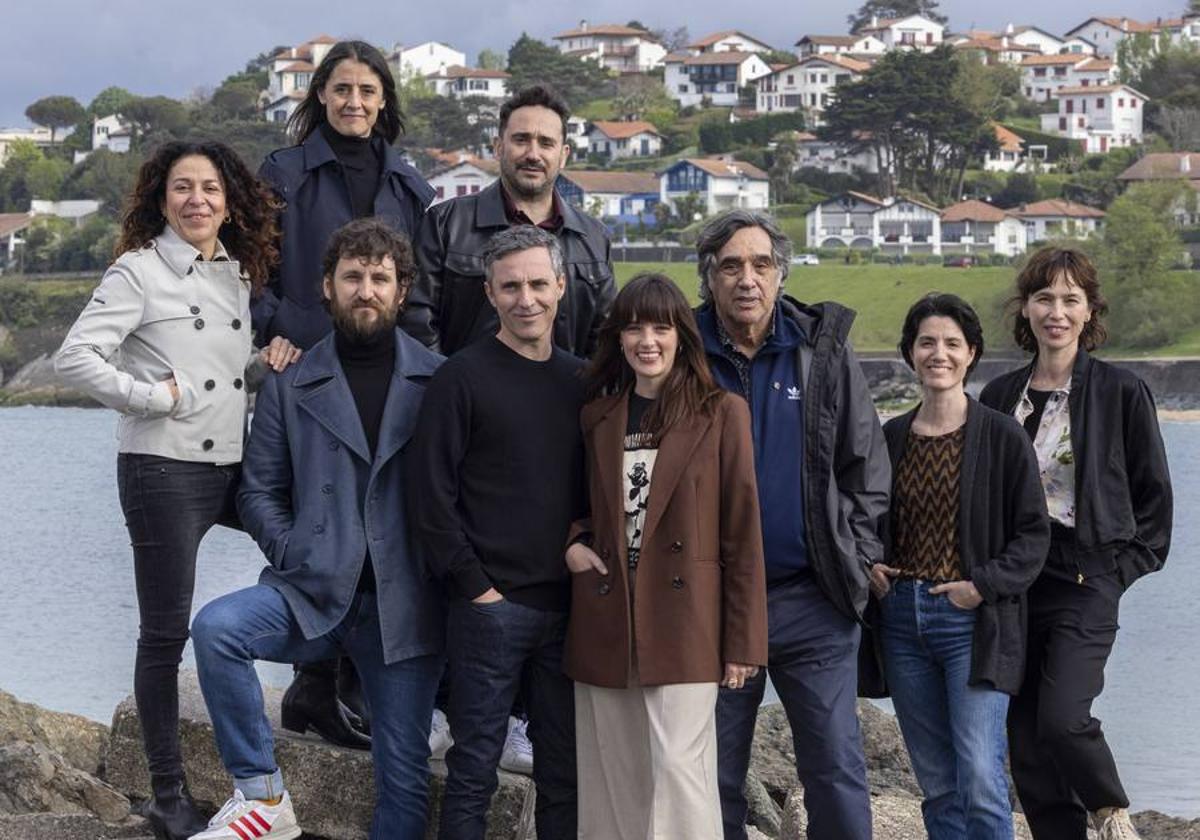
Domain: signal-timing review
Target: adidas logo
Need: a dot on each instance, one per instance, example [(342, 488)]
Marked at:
[(793, 393)]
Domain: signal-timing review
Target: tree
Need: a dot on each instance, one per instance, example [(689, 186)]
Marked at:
[(14, 176), (55, 112), (1136, 52), (235, 100), (106, 176), (893, 9), (1180, 127), (151, 114), (770, 57), (490, 60), (264, 60), (110, 101), (532, 62), (1140, 247), (637, 94)]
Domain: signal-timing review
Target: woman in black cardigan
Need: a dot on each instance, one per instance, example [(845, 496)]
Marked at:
[(967, 535), (1104, 469)]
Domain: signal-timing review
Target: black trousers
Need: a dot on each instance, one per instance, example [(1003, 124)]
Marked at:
[(169, 506), (1061, 763)]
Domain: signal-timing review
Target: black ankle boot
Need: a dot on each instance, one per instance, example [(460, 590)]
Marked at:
[(311, 703), (171, 812)]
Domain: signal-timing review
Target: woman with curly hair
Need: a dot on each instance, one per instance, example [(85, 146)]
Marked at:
[(668, 595), (1104, 469), (165, 340)]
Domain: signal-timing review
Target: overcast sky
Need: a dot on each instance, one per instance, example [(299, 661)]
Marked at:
[(79, 47)]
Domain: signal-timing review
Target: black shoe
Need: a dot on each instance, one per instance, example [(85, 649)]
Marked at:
[(349, 692), (171, 812), (311, 703)]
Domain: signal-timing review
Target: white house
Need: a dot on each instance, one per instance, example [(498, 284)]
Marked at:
[(1042, 75), (617, 140), (607, 194), (466, 177), (897, 225), (808, 85), (712, 76), (1010, 156), (622, 49), (577, 134), (111, 132), (1057, 217), (993, 49), (911, 32), (37, 135), (722, 184), (814, 153), (424, 59), (856, 46), (1170, 166), (289, 75), (1106, 33), (76, 210), (11, 226), (1046, 43), (975, 226), (1101, 117), (730, 40), (460, 82)]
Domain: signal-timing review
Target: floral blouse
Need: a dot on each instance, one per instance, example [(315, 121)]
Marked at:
[(1056, 459)]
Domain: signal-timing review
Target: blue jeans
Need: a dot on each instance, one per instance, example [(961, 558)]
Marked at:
[(955, 732), (494, 651), (812, 658), (255, 623)]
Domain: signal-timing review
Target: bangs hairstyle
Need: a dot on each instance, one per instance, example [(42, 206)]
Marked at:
[(310, 113), (371, 240), (1040, 271), (934, 305), (251, 235), (689, 388)]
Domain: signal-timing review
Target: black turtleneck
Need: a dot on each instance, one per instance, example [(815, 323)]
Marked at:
[(368, 366), (361, 159)]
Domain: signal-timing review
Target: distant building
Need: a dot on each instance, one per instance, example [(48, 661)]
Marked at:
[(1100, 117), (992, 50), (427, 59), (1170, 166), (1043, 75), (11, 227), (731, 40), (712, 77), (897, 225), (112, 132), (577, 134), (976, 226), (722, 184), (827, 156), (1107, 33), (37, 135), (855, 46), (915, 32), (466, 177), (461, 82), (622, 49), (76, 210), (617, 140), (618, 196), (1011, 154), (289, 75), (1057, 217), (807, 85)]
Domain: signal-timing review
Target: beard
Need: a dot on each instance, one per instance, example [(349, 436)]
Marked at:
[(511, 175), (349, 321)]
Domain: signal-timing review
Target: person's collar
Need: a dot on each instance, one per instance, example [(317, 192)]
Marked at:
[(774, 331), (180, 254), (516, 216)]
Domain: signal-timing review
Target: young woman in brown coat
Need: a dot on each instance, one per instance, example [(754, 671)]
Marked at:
[(668, 595)]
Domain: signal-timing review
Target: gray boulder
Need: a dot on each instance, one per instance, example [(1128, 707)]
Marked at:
[(71, 827), (81, 742), (34, 780)]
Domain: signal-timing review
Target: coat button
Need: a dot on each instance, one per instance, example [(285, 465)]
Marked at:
[(318, 529), (604, 588), (209, 385), (207, 445), (676, 547), (327, 489), (195, 310), (237, 383), (199, 323), (677, 582), (237, 323)]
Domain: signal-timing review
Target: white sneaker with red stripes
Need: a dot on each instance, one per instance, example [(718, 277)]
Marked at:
[(251, 819)]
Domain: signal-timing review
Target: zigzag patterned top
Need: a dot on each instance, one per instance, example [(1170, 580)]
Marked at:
[(925, 507)]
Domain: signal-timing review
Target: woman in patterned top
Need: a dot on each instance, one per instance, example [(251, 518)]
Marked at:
[(668, 584), (1104, 468), (967, 535)]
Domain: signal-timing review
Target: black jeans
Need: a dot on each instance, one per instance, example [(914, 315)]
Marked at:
[(495, 651), (169, 506), (1061, 763)]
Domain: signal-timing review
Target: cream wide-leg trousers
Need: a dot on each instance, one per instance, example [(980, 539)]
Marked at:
[(647, 759)]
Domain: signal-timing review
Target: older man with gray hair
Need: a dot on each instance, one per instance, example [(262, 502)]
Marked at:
[(823, 480), (495, 480)]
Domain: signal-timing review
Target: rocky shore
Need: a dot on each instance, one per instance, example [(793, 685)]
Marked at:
[(63, 777)]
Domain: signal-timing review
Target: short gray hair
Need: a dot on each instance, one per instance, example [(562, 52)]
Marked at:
[(522, 238), (715, 234)]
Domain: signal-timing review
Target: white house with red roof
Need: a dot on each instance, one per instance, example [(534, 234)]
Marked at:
[(466, 177), (1057, 217), (1107, 33), (1100, 117), (622, 49), (618, 140), (808, 85), (992, 49), (910, 32), (814, 153), (1042, 75), (712, 76), (289, 75), (608, 193), (460, 82), (729, 40), (723, 184), (897, 224), (974, 226), (427, 59), (855, 46)]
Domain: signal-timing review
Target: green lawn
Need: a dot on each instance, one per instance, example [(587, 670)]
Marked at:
[(881, 294)]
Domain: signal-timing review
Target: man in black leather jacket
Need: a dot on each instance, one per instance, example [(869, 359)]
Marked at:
[(448, 296)]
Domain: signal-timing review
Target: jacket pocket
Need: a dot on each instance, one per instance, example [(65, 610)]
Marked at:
[(595, 274)]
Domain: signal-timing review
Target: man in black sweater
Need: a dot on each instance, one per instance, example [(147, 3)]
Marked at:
[(496, 477)]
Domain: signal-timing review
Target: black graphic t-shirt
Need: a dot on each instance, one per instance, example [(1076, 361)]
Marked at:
[(638, 466)]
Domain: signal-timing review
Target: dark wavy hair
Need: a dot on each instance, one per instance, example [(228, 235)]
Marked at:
[(310, 113), (250, 236), (371, 239), (689, 387), (536, 95), (937, 304), (1040, 271)]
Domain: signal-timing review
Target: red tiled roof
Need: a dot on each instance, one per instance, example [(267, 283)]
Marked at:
[(298, 67), (1125, 24), (12, 222), (1058, 207), (1047, 60), (851, 64), (994, 45), (323, 39), (717, 37), (1009, 141), (604, 29), (1163, 166), (624, 130), (973, 211), (491, 167), (608, 181), (862, 196), (1095, 65), (728, 168)]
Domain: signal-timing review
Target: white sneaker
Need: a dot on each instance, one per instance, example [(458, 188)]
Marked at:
[(518, 751), (440, 739), (251, 819), (1113, 824)]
